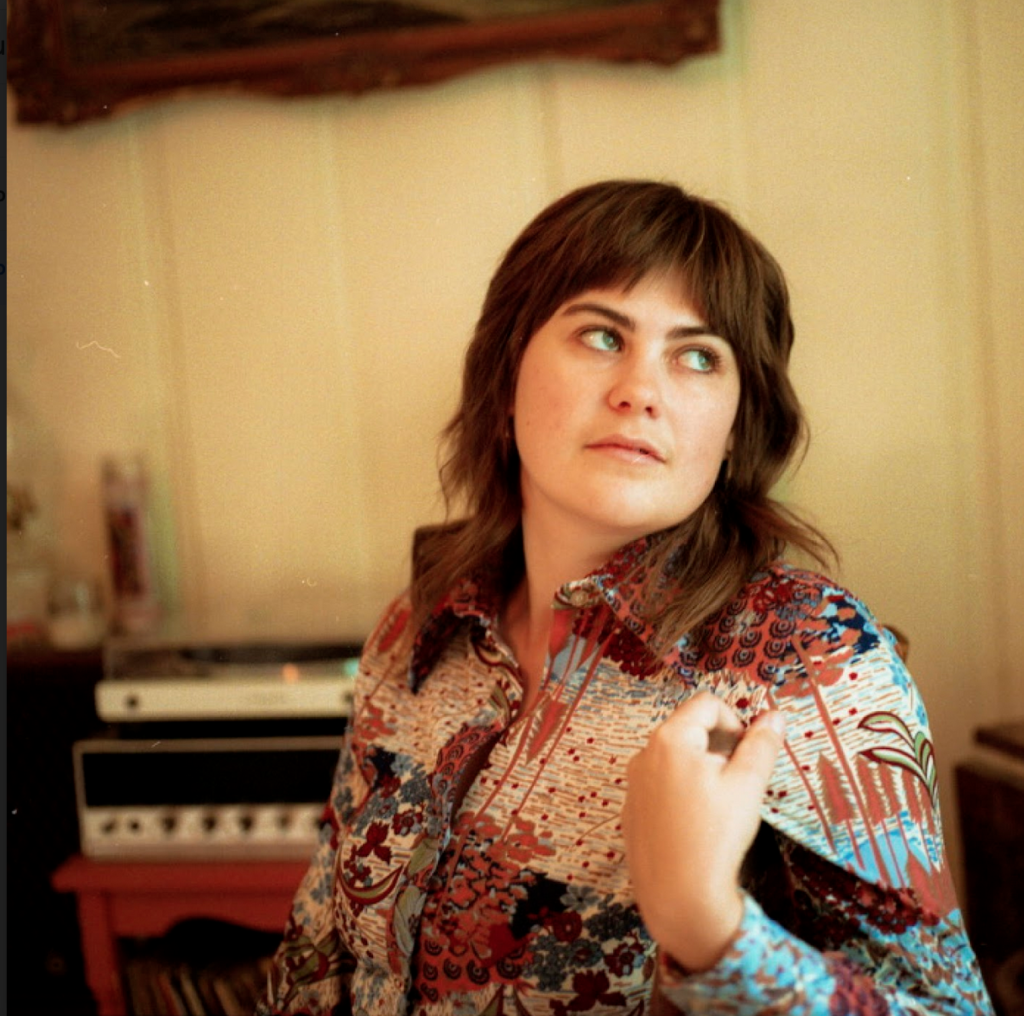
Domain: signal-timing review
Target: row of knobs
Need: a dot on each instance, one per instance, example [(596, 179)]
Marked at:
[(209, 823)]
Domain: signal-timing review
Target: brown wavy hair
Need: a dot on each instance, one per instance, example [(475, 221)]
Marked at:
[(614, 233)]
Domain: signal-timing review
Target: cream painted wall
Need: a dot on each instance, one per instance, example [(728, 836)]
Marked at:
[(270, 299)]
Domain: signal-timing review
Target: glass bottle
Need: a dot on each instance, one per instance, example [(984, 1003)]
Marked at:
[(129, 534)]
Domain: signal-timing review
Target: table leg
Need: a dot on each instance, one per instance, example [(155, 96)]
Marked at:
[(99, 950)]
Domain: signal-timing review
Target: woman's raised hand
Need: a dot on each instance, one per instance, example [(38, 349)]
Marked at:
[(691, 814)]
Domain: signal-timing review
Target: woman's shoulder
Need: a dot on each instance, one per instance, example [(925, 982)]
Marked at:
[(783, 620), (783, 591)]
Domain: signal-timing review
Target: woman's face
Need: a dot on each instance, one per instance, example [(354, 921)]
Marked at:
[(624, 409)]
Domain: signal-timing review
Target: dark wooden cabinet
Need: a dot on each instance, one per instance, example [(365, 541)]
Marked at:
[(50, 705), (990, 794)]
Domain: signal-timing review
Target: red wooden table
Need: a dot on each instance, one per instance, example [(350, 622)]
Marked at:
[(145, 899)]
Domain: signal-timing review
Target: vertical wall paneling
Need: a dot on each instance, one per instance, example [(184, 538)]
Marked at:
[(682, 123), (973, 655), (170, 475), (81, 354), (998, 112), (261, 358)]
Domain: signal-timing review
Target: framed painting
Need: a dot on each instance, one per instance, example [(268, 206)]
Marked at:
[(74, 60)]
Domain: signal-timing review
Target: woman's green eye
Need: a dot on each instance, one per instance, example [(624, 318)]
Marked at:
[(601, 339), (702, 360)]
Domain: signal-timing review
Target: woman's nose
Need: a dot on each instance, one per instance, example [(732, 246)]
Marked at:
[(635, 389)]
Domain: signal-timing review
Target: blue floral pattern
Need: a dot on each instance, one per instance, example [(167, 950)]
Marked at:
[(471, 858)]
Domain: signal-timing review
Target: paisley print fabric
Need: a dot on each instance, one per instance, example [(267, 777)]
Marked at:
[(471, 858)]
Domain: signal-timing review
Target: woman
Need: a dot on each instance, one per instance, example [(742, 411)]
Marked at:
[(612, 615)]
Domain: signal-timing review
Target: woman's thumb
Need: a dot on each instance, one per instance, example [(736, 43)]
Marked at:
[(760, 746)]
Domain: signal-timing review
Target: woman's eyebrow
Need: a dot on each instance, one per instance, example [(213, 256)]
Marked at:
[(625, 321)]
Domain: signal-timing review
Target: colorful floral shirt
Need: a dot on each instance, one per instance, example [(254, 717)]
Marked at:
[(471, 858)]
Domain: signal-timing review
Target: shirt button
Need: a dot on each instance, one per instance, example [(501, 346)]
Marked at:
[(435, 883)]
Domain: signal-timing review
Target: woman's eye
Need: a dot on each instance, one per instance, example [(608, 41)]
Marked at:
[(702, 360), (602, 339)]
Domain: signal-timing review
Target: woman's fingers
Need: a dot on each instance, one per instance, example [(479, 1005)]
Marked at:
[(706, 723), (755, 754), (703, 722)]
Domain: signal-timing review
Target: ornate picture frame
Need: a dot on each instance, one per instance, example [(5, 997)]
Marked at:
[(76, 60)]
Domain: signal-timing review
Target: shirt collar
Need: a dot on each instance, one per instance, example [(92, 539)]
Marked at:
[(476, 600)]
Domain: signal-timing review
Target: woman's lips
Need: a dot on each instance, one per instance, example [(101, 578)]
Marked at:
[(631, 449)]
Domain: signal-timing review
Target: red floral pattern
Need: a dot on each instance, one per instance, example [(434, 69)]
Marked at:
[(472, 860)]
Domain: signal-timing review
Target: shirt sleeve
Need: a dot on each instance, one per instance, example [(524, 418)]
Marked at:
[(311, 968), (768, 969), (871, 925)]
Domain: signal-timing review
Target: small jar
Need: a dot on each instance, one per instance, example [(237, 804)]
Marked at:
[(76, 616)]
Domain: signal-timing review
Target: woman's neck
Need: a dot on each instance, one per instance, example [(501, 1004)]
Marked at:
[(555, 554), (526, 618), (527, 629)]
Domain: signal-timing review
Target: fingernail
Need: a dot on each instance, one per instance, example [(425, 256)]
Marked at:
[(776, 721)]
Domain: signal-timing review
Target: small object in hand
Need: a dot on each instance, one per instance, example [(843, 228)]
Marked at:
[(723, 742)]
